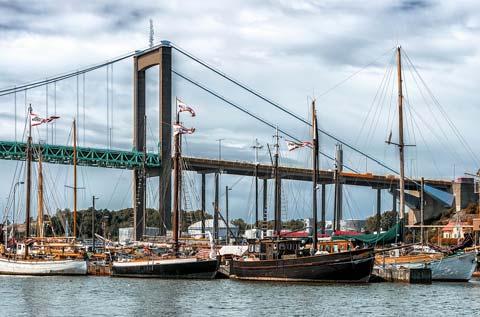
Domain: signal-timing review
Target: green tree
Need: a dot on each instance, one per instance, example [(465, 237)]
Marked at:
[(294, 224), (387, 220), (241, 224)]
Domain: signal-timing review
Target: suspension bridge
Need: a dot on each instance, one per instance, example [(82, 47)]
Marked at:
[(145, 165)]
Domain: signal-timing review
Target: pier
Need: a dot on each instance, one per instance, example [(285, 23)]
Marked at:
[(402, 275)]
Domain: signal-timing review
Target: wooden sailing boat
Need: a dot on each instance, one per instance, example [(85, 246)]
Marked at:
[(285, 260), (176, 265), (454, 267), (35, 256)]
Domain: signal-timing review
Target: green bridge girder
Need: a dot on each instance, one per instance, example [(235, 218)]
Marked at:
[(59, 154)]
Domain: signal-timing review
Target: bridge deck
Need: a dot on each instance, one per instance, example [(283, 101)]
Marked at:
[(58, 154)]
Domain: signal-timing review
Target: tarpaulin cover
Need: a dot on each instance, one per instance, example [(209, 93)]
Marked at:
[(372, 238)]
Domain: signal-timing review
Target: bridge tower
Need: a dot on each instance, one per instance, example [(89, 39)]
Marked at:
[(159, 55)]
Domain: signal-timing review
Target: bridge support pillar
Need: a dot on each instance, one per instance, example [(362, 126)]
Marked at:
[(215, 209), (278, 225), (338, 212), (139, 177), (203, 203), (162, 56), (394, 199), (265, 205), (322, 221), (379, 209), (165, 133)]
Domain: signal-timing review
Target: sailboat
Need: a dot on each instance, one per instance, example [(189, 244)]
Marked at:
[(279, 259), (458, 266), (36, 255), (176, 265)]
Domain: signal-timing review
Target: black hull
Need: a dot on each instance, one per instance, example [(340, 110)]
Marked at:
[(346, 267), (190, 270)]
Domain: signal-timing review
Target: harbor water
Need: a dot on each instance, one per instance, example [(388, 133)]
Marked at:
[(104, 296)]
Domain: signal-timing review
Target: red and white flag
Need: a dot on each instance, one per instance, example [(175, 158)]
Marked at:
[(180, 129), (295, 145), (183, 107), (35, 119)]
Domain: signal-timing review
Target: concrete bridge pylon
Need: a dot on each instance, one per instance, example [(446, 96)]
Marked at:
[(161, 56)]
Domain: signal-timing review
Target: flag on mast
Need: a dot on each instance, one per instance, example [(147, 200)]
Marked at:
[(183, 107), (35, 119), (180, 129), (292, 145)]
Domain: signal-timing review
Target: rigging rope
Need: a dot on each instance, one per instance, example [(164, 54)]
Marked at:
[(452, 125)]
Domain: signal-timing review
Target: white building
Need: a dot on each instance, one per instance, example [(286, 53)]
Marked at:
[(353, 225), (125, 235), (196, 228)]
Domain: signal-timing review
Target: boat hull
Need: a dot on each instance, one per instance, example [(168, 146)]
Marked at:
[(454, 268), (189, 268), (457, 267), (42, 268), (346, 267)]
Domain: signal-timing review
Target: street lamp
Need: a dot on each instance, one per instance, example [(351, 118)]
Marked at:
[(13, 209)]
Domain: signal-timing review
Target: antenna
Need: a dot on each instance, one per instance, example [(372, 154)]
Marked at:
[(152, 33)]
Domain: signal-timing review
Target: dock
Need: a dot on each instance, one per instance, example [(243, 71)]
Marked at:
[(402, 275), (98, 269)]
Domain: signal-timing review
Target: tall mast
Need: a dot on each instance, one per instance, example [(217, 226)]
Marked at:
[(401, 144), (278, 215), (256, 147), (315, 175), (74, 179), (40, 198), (29, 175), (422, 210), (176, 187)]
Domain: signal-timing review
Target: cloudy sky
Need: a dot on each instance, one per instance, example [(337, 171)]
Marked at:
[(341, 52)]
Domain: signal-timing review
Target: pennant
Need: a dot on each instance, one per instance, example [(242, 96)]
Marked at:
[(183, 107), (180, 129), (295, 145), (35, 119)]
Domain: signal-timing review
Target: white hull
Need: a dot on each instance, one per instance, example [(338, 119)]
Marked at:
[(43, 267), (457, 267)]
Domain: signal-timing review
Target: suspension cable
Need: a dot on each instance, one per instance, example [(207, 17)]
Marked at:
[(224, 99), (278, 106)]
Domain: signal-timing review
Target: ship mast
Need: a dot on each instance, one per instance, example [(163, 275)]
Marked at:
[(401, 144), (176, 186), (256, 147), (40, 232), (278, 212), (74, 179), (314, 176), (29, 177)]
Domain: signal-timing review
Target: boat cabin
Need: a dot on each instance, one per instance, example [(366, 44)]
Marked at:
[(334, 246), (21, 248), (284, 249), (274, 249)]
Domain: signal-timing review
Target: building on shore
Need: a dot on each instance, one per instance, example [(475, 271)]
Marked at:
[(195, 230), (125, 235)]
